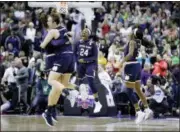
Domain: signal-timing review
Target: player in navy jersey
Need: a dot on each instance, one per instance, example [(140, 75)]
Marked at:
[(59, 61), (132, 73), (86, 55)]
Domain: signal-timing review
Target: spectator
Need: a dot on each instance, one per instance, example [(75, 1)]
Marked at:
[(10, 81), (103, 47), (145, 74), (105, 26), (22, 81), (156, 97), (110, 71), (37, 41), (160, 67), (23, 58), (30, 32), (2, 68), (42, 91), (14, 40), (12, 50)]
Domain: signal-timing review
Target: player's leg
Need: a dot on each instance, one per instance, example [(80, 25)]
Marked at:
[(90, 75), (64, 64), (131, 95), (130, 77), (148, 111), (70, 94), (56, 88), (66, 81)]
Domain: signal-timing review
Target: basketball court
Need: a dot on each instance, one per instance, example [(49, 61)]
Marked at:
[(69, 123)]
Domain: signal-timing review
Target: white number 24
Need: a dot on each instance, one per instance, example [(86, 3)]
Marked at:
[(84, 52)]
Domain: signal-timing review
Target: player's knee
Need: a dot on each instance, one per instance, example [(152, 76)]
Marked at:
[(50, 81), (66, 84)]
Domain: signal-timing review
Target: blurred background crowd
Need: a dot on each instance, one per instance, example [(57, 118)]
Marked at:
[(21, 36)]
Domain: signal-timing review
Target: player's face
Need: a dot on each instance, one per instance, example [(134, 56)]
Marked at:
[(50, 23), (84, 34)]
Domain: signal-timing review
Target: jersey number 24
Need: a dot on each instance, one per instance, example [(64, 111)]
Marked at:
[(84, 52)]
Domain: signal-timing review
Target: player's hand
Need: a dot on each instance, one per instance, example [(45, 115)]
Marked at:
[(81, 61)]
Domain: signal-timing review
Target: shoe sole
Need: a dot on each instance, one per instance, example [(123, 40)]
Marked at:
[(150, 115), (43, 115), (54, 120), (137, 123)]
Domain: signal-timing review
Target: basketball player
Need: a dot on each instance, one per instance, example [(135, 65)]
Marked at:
[(60, 62), (132, 71), (86, 54)]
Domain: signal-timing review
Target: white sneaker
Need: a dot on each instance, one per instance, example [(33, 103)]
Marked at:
[(72, 97), (149, 113), (98, 107), (140, 116)]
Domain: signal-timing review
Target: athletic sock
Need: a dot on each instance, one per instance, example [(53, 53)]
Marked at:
[(96, 97), (146, 106), (137, 108), (49, 109)]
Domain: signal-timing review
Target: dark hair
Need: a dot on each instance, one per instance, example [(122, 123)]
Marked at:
[(55, 17), (43, 19), (139, 34), (147, 43)]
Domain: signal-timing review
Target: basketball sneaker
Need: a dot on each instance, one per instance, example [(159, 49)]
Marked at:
[(140, 116), (98, 107), (149, 113), (48, 119), (54, 115)]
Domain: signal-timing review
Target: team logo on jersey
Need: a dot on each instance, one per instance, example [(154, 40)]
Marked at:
[(55, 68), (127, 77)]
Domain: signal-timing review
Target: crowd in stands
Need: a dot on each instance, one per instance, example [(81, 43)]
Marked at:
[(21, 59)]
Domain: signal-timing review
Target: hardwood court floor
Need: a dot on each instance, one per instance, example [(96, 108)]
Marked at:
[(68, 123)]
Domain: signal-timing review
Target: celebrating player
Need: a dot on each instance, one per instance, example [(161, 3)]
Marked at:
[(60, 62), (86, 54), (132, 73)]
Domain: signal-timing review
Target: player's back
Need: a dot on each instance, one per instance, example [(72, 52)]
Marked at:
[(64, 47), (136, 50), (59, 45)]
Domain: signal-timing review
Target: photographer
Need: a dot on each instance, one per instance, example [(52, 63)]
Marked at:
[(156, 96), (9, 88), (42, 91)]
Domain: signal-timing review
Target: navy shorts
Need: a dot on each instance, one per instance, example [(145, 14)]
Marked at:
[(132, 72), (49, 62), (88, 69), (62, 63)]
